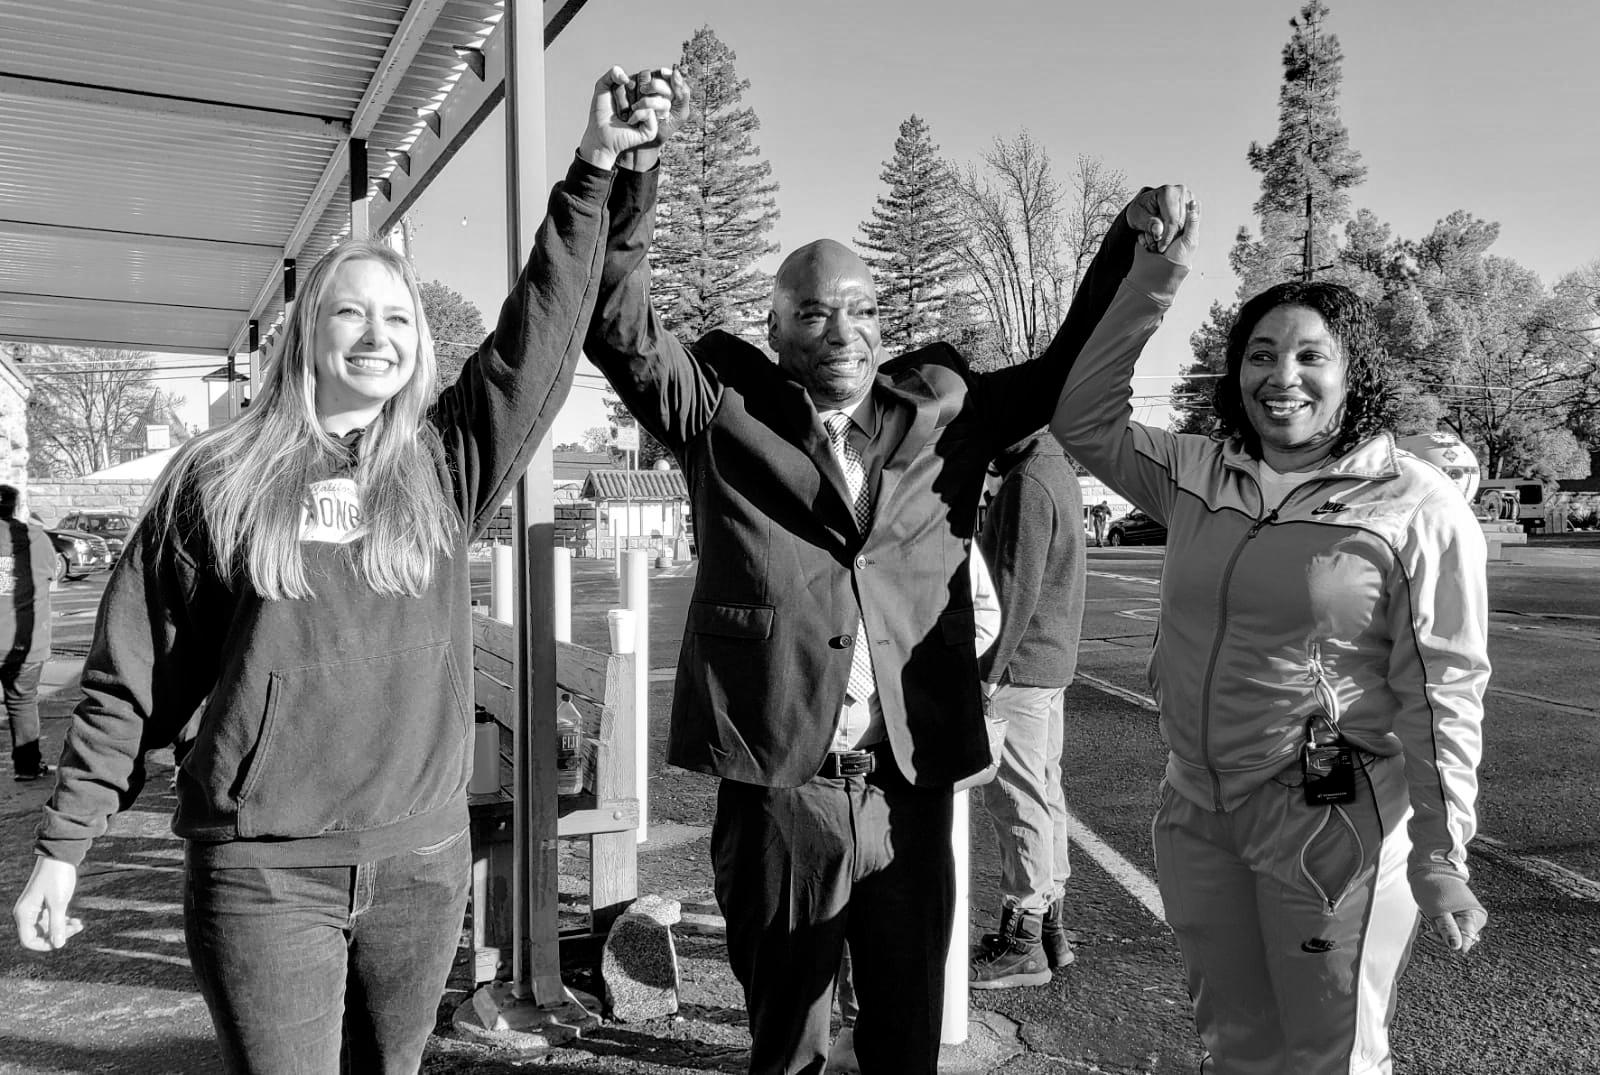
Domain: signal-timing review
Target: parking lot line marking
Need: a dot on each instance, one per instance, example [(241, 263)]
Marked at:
[(1144, 701), (1539, 698), (1126, 578), (1125, 873), (1568, 882)]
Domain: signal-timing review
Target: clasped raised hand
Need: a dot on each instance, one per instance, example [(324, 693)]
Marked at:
[(1167, 219), (615, 125)]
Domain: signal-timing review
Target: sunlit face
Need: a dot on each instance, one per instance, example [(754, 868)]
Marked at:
[(365, 350), (824, 325), (1292, 381)]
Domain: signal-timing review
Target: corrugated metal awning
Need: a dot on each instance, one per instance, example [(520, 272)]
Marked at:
[(635, 485), (159, 159)]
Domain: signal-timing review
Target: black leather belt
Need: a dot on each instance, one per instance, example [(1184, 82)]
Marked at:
[(843, 763)]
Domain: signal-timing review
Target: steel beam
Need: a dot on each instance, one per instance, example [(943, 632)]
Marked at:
[(403, 47), (162, 347), (196, 243), (536, 959), (122, 304), (232, 116), (446, 129)]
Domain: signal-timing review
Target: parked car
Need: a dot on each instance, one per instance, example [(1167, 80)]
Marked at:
[(113, 526), (77, 551), (1136, 528)]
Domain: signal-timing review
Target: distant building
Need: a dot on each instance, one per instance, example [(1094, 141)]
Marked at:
[(637, 509), (226, 395)]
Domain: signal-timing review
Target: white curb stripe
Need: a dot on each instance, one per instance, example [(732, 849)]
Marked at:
[(1122, 871), (1105, 686)]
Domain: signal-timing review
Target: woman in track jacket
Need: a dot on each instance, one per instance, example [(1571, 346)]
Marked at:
[(1319, 666), (303, 572)]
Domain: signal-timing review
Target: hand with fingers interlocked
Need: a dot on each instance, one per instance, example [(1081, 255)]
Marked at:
[(666, 92), (1161, 215), (615, 125)]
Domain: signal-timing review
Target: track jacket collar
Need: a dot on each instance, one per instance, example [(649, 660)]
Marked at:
[(1372, 460)]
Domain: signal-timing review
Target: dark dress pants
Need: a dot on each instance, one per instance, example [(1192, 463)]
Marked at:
[(801, 870)]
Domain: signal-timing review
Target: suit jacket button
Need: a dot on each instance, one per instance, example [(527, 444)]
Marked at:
[(842, 641), (861, 561)]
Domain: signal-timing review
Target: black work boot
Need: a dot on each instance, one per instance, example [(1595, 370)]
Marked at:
[(1014, 956), (1057, 937)]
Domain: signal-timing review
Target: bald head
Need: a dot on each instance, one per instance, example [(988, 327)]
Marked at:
[(820, 259), (823, 324)]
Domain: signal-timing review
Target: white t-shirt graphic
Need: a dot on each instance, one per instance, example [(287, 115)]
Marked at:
[(333, 512)]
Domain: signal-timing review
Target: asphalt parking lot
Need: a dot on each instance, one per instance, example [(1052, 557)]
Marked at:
[(1528, 999)]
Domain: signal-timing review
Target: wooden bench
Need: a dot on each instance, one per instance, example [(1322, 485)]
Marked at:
[(603, 686)]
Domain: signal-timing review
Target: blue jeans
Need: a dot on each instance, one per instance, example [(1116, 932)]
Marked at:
[(1025, 799), (304, 968)]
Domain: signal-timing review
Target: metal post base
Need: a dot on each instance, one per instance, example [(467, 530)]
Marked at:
[(494, 1016)]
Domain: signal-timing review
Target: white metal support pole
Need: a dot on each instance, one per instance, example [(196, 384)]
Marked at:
[(502, 584), (536, 957), (953, 1031), (360, 199), (636, 595), (561, 587)]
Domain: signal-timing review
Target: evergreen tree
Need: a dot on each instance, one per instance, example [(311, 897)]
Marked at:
[(456, 324), (1303, 213), (717, 204), (1306, 171), (911, 240)]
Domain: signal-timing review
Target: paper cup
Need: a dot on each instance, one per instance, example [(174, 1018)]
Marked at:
[(620, 623)]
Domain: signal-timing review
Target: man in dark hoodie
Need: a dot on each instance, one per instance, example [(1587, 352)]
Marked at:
[(1033, 541)]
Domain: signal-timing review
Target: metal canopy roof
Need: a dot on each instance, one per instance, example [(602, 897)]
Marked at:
[(159, 159)]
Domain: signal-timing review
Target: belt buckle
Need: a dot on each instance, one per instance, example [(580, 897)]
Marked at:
[(846, 763)]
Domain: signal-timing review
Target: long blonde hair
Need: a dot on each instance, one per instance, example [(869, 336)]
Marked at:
[(249, 479)]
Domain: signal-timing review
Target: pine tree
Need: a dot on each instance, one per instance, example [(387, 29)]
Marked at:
[(717, 204), (1306, 171), (456, 324), (912, 239), (1303, 213)]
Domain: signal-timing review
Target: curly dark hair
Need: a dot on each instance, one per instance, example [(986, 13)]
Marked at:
[(1370, 404)]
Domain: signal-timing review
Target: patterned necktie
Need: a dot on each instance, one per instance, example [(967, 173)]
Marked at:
[(862, 685)]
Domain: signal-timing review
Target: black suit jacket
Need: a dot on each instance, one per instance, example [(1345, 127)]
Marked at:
[(766, 650)]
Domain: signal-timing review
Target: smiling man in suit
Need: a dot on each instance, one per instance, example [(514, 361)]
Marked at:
[(827, 673)]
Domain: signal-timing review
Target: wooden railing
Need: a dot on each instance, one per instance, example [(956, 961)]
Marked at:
[(604, 687)]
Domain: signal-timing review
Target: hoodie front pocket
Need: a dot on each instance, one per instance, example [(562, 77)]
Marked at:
[(357, 744)]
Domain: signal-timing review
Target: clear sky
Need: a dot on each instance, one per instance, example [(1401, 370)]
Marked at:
[(1473, 104)]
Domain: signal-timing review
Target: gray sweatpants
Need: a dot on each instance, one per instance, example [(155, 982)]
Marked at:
[(1294, 922)]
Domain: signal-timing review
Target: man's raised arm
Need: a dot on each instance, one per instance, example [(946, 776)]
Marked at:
[(658, 378)]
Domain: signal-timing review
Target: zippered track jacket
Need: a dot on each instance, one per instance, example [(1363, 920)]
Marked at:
[(1363, 592)]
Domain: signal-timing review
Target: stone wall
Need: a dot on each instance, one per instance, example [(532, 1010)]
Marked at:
[(574, 524), (51, 500)]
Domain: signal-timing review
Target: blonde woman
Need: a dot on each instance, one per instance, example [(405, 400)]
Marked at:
[(303, 571)]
